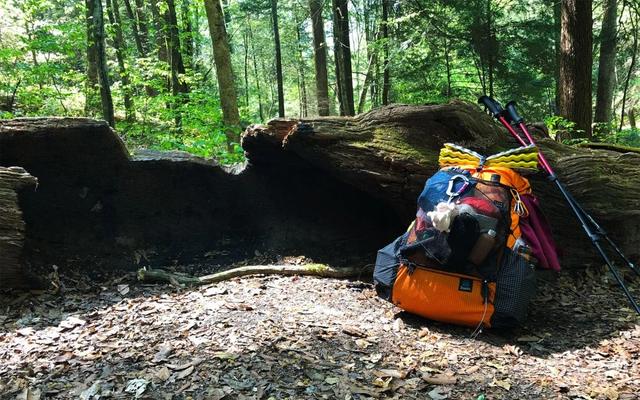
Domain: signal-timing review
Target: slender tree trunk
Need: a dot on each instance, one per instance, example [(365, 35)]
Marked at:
[(142, 24), (160, 34), (92, 85), (342, 48), (606, 65), (255, 70), (113, 11), (386, 84), (367, 81), (302, 78), (447, 63), (187, 34), (245, 44), (575, 63), (179, 87), (558, 52), (95, 24), (320, 57), (135, 27), (276, 39), (224, 71), (632, 66), (632, 118)]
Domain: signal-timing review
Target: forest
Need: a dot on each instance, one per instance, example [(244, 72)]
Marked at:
[(190, 75)]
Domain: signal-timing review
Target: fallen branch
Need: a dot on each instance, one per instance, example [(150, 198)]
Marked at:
[(321, 270)]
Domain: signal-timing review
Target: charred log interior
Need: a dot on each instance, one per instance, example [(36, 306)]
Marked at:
[(334, 189)]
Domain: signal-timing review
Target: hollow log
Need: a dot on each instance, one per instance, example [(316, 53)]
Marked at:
[(389, 152), (12, 227)]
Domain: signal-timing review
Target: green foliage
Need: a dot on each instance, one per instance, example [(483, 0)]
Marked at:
[(439, 50)]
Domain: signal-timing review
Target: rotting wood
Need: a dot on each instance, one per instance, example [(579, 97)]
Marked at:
[(12, 226)]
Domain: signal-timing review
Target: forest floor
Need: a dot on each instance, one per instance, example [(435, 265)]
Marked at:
[(307, 338)]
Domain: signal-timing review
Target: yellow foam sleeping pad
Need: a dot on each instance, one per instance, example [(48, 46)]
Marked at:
[(522, 158)]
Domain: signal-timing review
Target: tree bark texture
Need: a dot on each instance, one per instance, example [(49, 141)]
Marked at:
[(276, 40), (391, 151), (576, 58), (12, 226), (224, 72), (320, 57), (342, 49), (607, 63)]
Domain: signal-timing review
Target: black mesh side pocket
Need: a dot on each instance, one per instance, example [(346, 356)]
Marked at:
[(515, 288)]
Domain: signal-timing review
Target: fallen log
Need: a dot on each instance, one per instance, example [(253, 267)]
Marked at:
[(320, 270), (12, 227), (389, 152)]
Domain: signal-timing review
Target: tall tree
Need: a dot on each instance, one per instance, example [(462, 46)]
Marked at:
[(138, 27), (384, 28), (320, 57), (276, 39), (178, 85), (224, 72), (113, 12), (97, 57), (606, 64), (342, 49), (576, 59)]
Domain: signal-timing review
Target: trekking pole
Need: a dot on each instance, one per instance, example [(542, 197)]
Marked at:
[(583, 217)]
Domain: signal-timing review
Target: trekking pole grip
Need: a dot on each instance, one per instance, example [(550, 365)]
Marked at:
[(512, 113), (493, 106)]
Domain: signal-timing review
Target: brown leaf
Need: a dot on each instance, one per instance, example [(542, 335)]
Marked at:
[(185, 372), (440, 379)]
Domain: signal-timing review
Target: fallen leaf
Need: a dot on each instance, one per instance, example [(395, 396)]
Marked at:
[(332, 380), (394, 373), (440, 379), (438, 394), (163, 353), (123, 289), (505, 384), (136, 386), (163, 374), (185, 372)]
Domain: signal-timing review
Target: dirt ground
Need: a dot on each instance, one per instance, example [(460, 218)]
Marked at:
[(276, 337)]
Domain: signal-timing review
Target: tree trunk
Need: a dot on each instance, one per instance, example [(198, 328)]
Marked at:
[(558, 53), (632, 118), (301, 75), (12, 227), (575, 63), (97, 55), (320, 57), (367, 81), (255, 70), (389, 153), (179, 87), (606, 65), (342, 48), (386, 84), (160, 34), (187, 30), (224, 72), (113, 11), (632, 66), (276, 39), (135, 27), (92, 86)]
